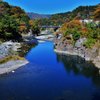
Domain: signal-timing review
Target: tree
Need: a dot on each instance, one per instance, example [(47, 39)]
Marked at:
[(35, 27), (9, 28), (13, 21)]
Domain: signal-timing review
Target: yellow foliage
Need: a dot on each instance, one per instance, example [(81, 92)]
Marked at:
[(8, 58), (31, 22)]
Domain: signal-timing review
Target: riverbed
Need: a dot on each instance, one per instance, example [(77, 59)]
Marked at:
[(50, 76)]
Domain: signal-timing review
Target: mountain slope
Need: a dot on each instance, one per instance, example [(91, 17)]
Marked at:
[(13, 21), (37, 16), (82, 12)]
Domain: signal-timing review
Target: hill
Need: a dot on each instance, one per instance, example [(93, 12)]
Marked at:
[(13, 21), (82, 12), (37, 16)]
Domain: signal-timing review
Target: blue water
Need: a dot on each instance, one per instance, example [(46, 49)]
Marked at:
[(50, 76)]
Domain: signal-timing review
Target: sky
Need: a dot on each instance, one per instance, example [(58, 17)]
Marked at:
[(50, 6)]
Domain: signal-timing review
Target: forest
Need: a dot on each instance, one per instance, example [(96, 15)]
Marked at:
[(84, 12), (14, 22)]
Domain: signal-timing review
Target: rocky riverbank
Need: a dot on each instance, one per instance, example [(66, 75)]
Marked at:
[(45, 36), (67, 48), (9, 60), (8, 48)]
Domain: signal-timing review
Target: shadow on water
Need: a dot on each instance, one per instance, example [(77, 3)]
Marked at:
[(79, 66), (26, 47)]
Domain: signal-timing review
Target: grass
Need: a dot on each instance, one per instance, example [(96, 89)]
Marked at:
[(8, 58)]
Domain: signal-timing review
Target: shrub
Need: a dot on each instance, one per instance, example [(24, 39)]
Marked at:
[(89, 43), (95, 33), (76, 36)]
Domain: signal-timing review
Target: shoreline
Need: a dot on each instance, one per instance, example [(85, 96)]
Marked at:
[(96, 63), (69, 53), (9, 60), (11, 66)]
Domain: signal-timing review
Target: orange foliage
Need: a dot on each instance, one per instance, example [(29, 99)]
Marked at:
[(72, 24), (84, 30), (22, 27), (63, 28), (97, 13)]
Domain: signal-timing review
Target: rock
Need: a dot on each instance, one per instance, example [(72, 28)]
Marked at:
[(13, 71), (66, 47), (7, 47), (79, 43)]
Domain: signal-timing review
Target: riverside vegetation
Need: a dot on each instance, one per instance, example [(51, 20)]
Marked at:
[(81, 38), (14, 24)]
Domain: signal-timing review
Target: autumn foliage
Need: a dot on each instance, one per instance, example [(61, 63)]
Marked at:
[(97, 13), (71, 25), (13, 21)]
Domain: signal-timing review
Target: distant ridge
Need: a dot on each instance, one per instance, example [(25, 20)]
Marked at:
[(81, 12), (37, 16)]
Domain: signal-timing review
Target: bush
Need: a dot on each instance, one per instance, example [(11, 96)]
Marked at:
[(76, 36), (67, 32), (95, 33), (89, 43)]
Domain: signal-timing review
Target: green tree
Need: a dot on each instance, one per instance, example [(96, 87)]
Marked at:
[(9, 28), (35, 27)]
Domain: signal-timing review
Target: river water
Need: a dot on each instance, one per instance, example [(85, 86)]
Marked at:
[(50, 76)]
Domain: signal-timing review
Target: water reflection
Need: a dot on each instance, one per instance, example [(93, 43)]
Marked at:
[(49, 78), (79, 66), (26, 48)]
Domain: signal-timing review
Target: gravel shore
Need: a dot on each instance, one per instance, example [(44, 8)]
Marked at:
[(11, 66), (8, 49)]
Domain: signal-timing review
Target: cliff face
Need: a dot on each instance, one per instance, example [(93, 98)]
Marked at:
[(67, 47), (96, 61)]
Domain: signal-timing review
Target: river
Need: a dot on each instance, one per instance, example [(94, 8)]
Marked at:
[(50, 76)]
